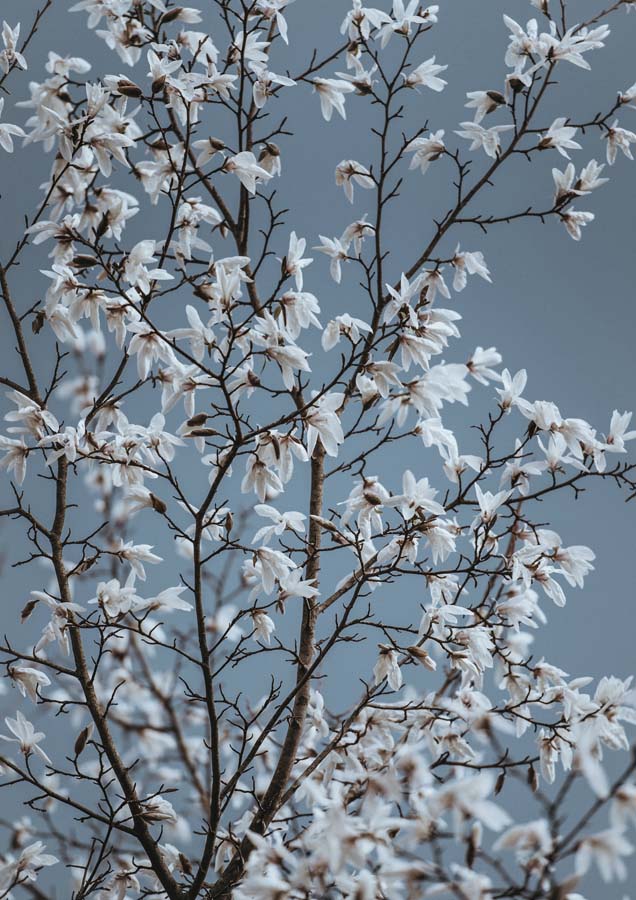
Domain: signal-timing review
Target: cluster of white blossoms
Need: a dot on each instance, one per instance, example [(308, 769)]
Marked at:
[(179, 381)]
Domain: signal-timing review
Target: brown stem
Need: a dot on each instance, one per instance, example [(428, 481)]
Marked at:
[(287, 759), (19, 335), (99, 717)]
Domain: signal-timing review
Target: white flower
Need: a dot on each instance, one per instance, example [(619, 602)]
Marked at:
[(618, 432), (158, 809), (206, 149), (138, 497), (247, 170), (512, 387), (417, 496), (273, 566), (468, 796), (468, 263), (404, 18), (273, 9), (292, 521), (29, 680), (263, 626), (481, 362), (248, 47), (202, 338), (291, 358), (323, 422), (11, 56), (167, 600), (426, 150), (119, 885), (337, 250), (220, 82), (467, 883), (149, 345), (484, 102), (136, 272), (294, 262), (618, 139), (575, 220), (261, 479), (426, 75), (367, 499), (490, 503), (349, 171), (523, 44), (433, 281), (265, 84), (357, 231), (191, 213), (293, 585), (360, 20), (623, 808), (137, 555), (114, 598), (57, 628), (26, 866), (8, 132), (605, 848), (332, 95), (300, 310), (628, 95), (343, 325), (564, 183), (486, 138), (589, 179), (26, 736), (559, 137), (387, 667), (15, 456), (530, 841), (573, 44)]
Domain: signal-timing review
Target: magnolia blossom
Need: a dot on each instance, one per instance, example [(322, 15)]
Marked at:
[(343, 325), (404, 18), (246, 168), (559, 137), (294, 262), (294, 521), (29, 680), (426, 75), (484, 102), (266, 83), (332, 93), (115, 598), (575, 220), (426, 150), (349, 171), (158, 809), (10, 55), (26, 736), (487, 138), (26, 867), (8, 132), (264, 627), (337, 251), (619, 139), (387, 667), (324, 424)]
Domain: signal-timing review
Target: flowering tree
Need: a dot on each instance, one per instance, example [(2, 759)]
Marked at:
[(184, 382)]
